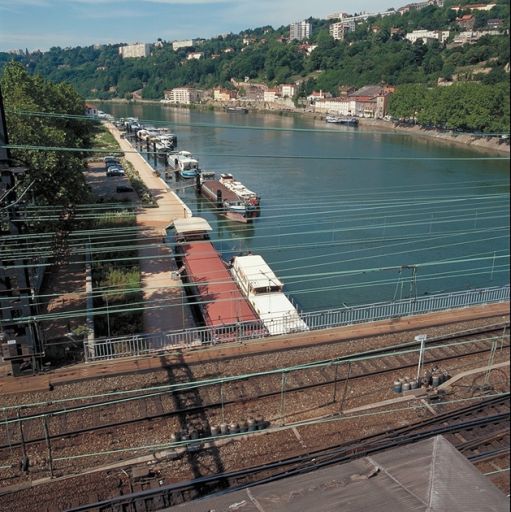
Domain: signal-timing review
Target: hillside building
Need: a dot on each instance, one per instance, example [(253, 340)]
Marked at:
[(420, 5), (183, 95), (185, 43), (467, 21), (221, 94), (340, 29), (300, 30), (133, 51), (194, 56), (473, 7), (370, 101), (428, 36)]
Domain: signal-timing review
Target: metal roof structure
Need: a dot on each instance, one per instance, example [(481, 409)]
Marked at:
[(429, 476), (191, 225), (223, 303)]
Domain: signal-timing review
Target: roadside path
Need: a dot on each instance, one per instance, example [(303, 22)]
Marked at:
[(159, 281)]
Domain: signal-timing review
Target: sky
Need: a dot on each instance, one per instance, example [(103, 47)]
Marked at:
[(41, 24)]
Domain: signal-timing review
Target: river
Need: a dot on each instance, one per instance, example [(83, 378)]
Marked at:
[(349, 216)]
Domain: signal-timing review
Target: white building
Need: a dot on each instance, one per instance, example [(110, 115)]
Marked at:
[(183, 95), (471, 36), (287, 90), (340, 29), (135, 50), (337, 16), (194, 56), (340, 106), (186, 43), (270, 95), (428, 35), (299, 30)]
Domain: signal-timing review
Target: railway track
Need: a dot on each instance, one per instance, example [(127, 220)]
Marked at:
[(485, 422), (187, 406)]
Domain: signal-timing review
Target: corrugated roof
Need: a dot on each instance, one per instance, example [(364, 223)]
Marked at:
[(225, 303), (429, 476)]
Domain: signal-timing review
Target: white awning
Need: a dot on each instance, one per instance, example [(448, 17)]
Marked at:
[(192, 225)]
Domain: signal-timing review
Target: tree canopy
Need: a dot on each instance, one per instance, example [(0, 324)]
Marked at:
[(56, 175)]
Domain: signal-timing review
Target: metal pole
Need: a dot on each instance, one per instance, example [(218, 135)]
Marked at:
[(422, 339), (107, 316), (22, 435), (491, 360), (7, 433), (222, 399), (335, 383), (282, 396), (345, 387), (50, 460)]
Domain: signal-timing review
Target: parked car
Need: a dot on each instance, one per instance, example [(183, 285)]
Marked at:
[(115, 171), (111, 160)]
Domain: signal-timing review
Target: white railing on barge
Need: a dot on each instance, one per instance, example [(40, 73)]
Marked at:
[(160, 343)]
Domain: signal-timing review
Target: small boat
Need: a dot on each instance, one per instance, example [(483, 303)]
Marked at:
[(235, 203), (166, 142), (348, 121), (237, 110), (184, 163)]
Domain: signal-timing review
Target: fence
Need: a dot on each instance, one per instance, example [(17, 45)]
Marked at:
[(152, 344)]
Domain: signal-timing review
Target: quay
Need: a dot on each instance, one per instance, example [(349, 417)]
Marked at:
[(158, 271)]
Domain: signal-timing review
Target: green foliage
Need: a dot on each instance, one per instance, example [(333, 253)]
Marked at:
[(471, 107), (58, 175), (374, 53)]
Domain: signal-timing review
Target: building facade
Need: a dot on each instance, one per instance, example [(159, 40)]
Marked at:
[(186, 43), (428, 35), (300, 30), (220, 94), (369, 102), (183, 95), (137, 50)]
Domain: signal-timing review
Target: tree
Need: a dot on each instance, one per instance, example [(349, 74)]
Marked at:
[(57, 175)]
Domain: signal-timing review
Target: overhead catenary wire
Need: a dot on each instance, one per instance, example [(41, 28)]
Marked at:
[(27, 147), (156, 122)]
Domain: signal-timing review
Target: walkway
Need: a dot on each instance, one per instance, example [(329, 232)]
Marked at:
[(157, 266)]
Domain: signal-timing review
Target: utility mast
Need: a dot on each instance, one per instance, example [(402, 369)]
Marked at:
[(19, 339)]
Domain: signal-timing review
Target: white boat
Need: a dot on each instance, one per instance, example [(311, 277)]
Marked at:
[(184, 163), (264, 291), (349, 121)]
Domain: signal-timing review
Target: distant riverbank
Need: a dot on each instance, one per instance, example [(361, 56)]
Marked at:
[(477, 142)]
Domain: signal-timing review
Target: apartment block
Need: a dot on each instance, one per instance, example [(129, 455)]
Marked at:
[(300, 30), (183, 95), (137, 50)]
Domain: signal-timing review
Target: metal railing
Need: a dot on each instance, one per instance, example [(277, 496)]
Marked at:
[(160, 343)]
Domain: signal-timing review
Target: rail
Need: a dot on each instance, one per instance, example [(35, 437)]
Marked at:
[(159, 343)]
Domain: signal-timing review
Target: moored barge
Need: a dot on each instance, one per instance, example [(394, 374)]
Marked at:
[(211, 288), (231, 198)]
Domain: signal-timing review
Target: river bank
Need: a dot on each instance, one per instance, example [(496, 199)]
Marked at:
[(487, 144)]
